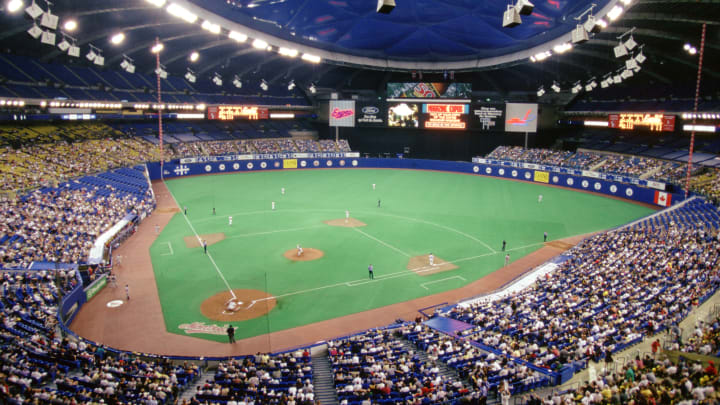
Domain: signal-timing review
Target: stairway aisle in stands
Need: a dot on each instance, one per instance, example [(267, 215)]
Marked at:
[(191, 389), (445, 370), (323, 376)]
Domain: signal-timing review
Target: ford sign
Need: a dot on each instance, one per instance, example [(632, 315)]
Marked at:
[(370, 110)]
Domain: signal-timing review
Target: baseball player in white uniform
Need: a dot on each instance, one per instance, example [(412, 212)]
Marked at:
[(431, 258), (347, 215), (299, 250), (230, 220), (540, 198), (282, 191), (272, 205), (373, 186)]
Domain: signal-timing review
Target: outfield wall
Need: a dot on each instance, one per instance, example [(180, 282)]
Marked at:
[(629, 191)]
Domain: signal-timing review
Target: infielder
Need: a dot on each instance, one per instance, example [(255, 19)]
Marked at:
[(431, 258), (347, 216), (373, 186), (299, 250), (230, 220), (282, 191), (507, 259), (272, 206)]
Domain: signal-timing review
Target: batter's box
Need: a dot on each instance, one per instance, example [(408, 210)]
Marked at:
[(422, 267)]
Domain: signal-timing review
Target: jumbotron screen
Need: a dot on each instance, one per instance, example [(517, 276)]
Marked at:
[(445, 115), (429, 90), (404, 115)]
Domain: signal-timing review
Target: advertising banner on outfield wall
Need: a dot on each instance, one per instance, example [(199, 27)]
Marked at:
[(371, 114)]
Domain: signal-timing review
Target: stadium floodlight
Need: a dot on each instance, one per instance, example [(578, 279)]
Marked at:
[(91, 55), (217, 79), (541, 91), (34, 11), (64, 45), (631, 64), (264, 85), (562, 48), (630, 44), (576, 88), (593, 25), (182, 13), (74, 51), (555, 87), (605, 83), (127, 64), (640, 58), (620, 50), (70, 25), (210, 26), (312, 89), (194, 56), (99, 60), (524, 7), (48, 37), (627, 73), (118, 38), (615, 12), (237, 82), (579, 35), (160, 71), (588, 87), (291, 53), (617, 79), (190, 76), (157, 47), (511, 17), (157, 3), (291, 85), (35, 31), (310, 58), (259, 44), (49, 20)]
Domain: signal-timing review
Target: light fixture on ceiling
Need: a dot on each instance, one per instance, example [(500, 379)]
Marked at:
[(291, 53), (157, 3), (562, 48), (614, 13), (158, 47), (237, 36), (626, 74), (605, 83), (579, 34), (291, 85), (259, 44), (118, 38), (95, 56), (127, 64), (14, 5), (576, 88), (264, 85), (210, 26), (631, 64), (310, 58), (64, 45), (541, 91), (70, 25), (194, 56), (524, 7), (217, 79), (49, 20), (48, 38), (538, 57), (74, 50), (237, 82), (617, 78), (312, 88), (623, 47), (182, 13), (555, 87), (190, 76)]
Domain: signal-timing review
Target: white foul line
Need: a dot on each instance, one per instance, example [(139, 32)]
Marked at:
[(384, 277), (381, 242), (442, 279), (171, 250), (201, 243)]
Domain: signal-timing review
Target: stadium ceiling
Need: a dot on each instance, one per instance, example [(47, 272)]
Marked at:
[(359, 49)]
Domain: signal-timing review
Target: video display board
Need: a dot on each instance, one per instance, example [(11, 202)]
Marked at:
[(403, 115), (371, 114), (653, 122), (521, 117), (487, 117), (445, 116), (231, 112), (342, 113), (429, 90)]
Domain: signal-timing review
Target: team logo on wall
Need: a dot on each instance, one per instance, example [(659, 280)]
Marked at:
[(476, 169), (342, 163), (570, 182), (629, 192), (236, 166), (221, 167), (276, 164), (598, 186), (303, 163), (514, 173), (354, 162), (585, 184), (208, 168), (250, 165), (316, 163), (556, 179), (613, 189), (263, 165), (181, 170), (488, 170), (527, 175), (329, 163), (502, 172)]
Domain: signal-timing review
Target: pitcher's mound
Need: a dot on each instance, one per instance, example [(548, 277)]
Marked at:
[(421, 265), (307, 254), (248, 304), (211, 238), (348, 223)]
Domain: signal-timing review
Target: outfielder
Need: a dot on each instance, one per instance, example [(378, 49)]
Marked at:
[(230, 220), (282, 191), (272, 206)]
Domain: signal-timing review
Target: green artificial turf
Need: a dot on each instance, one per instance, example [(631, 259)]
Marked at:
[(459, 218)]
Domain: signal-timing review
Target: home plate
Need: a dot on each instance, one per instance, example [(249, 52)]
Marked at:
[(114, 303)]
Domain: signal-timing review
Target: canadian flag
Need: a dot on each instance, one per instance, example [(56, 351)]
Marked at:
[(662, 198)]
